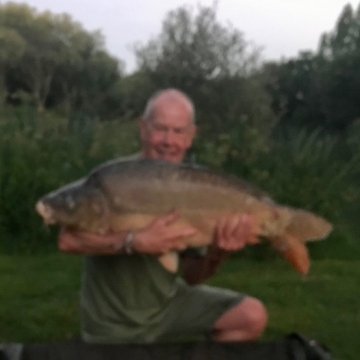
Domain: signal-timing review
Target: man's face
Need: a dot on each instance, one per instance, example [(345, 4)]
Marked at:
[(168, 134)]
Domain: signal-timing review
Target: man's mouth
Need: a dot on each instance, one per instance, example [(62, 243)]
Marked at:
[(167, 153)]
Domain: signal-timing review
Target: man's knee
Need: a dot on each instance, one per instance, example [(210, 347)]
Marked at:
[(249, 316), (255, 314)]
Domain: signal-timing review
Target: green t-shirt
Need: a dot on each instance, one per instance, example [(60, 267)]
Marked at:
[(134, 299), (123, 297)]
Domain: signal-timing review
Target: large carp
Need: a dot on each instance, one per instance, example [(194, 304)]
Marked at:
[(125, 195)]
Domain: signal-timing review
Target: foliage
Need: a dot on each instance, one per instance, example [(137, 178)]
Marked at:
[(197, 54), (54, 62), (295, 90), (135, 91), (40, 152), (321, 89), (307, 169), (301, 168), (196, 47), (309, 159)]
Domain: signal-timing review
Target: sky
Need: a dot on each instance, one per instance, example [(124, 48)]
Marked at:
[(281, 28)]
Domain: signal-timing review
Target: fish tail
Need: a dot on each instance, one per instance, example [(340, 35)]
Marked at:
[(307, 226)]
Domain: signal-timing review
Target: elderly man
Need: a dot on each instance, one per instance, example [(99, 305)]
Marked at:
[(127, 296)]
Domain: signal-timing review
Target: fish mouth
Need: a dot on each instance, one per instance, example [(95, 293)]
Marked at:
[(46, 212)]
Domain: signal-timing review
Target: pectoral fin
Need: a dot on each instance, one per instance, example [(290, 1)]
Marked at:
[(294, 251), (170, 261)]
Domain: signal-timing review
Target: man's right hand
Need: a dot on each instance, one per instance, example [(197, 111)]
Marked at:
[(160, 236)]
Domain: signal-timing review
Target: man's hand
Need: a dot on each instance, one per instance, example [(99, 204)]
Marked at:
[(235, 232), (160, 236), (232, 233)]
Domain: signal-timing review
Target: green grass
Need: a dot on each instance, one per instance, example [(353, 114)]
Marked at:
[(39, 298), (323, 305)]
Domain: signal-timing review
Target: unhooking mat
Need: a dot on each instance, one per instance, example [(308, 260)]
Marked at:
[(291, 347)]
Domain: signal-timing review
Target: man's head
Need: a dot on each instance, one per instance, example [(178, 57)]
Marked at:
[(167, 126)]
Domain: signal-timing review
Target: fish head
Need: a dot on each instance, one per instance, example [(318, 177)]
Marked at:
[(75, 206)]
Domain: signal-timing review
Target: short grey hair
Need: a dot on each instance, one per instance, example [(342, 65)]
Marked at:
[(174, 95)]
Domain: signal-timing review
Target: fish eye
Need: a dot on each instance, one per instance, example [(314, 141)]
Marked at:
[(70, 202)]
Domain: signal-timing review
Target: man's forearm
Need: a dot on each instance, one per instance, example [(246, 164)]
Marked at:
[(91, 244)]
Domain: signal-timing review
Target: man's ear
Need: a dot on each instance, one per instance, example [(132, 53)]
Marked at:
[(192, 133)]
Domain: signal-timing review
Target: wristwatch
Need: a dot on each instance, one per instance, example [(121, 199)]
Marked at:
[(128, 243)]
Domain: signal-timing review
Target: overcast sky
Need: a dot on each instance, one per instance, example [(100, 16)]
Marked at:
[(281, 27)]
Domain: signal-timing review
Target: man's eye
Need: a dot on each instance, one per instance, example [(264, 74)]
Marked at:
[(160, 128), (180, 131)]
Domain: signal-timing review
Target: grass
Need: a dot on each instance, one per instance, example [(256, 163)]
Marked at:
[(323, 305), (39, 298)]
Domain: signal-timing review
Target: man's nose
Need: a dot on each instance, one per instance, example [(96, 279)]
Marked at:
[(169, 137)]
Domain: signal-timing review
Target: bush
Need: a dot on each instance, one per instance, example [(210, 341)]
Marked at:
[(300, 168), (40, 152)]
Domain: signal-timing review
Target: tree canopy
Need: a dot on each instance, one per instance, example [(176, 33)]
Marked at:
[(320, 89), (197, 54), (49, 59)]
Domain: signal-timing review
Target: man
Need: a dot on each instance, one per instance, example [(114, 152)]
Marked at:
[(127, 295)]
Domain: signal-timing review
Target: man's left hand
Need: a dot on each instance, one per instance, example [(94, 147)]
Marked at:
[(236, 231)]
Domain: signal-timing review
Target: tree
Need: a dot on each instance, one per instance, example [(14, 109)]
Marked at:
[(44, 49), (61, 64), (342, 40), (213, 64), (295, 86), (340, 51), (12, 48), (321, 89)]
